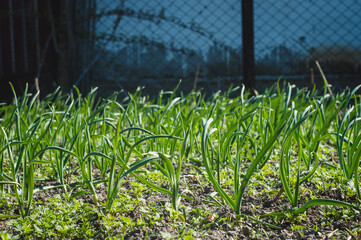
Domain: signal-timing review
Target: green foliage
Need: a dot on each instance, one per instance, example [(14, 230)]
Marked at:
[(85, 147)]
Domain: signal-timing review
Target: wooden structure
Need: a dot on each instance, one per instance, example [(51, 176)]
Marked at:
[(39, 38)]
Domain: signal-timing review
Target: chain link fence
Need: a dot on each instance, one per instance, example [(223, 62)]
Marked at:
[(291, 35), (157, 43), (123, 44)]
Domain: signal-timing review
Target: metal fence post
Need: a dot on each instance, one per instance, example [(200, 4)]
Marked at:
[(248, 44)]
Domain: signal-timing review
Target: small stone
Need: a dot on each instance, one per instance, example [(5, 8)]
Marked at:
[(268, 204), (246, 231)]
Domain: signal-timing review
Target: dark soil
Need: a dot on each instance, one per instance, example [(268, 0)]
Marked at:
[(318, 222)]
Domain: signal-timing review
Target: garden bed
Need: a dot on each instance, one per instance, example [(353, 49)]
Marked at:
[(279, 165)]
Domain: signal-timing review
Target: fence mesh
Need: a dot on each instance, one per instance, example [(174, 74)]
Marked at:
[(156, 43), (291, 35), (122, 44)]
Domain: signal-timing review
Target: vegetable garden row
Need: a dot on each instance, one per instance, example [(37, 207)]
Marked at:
[(81, 143)]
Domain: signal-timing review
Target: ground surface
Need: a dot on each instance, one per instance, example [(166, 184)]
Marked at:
[(140, 213), (72, 150)]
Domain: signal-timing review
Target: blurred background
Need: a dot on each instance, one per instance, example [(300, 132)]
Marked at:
[(209, 44)]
